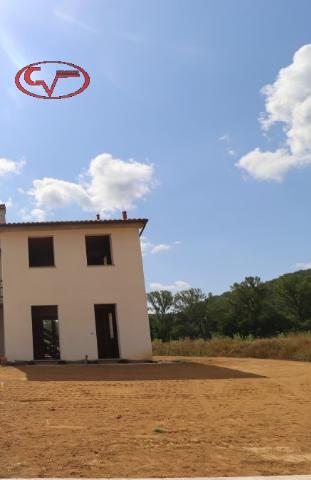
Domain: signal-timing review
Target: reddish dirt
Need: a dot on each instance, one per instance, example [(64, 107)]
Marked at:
[(212, 417)]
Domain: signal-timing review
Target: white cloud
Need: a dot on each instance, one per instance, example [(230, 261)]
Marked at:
[(8, 203), (232, 152), (52, 193), (303, 266), (109, 184), (149, 247), (224, 138), (146, 246), (266, 165), (178, 285), (288, 101), (227, 140), (162, 247), (38, 214), (8, 167)]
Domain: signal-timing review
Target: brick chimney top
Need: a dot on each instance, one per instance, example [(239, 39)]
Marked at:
[(2, 213), (124, 215)]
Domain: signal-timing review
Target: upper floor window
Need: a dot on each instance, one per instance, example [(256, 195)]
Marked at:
[(98, 251), (41, 252)]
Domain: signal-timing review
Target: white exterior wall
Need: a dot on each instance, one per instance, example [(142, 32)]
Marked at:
[(75, 287)]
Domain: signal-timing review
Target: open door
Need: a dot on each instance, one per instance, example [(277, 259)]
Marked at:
[(106, 331), (45, 332)]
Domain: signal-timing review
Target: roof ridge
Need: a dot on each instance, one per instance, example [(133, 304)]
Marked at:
[(77, 222)]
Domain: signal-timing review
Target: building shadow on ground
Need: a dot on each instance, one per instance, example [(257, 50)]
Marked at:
[(132, 372)]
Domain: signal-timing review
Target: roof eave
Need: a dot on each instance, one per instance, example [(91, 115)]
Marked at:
[(140, 222)]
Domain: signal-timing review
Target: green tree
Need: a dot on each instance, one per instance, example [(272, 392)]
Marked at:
[(192, 311), (246, 305), (219, 308), (161, 315), (253, 310), (294, 299)]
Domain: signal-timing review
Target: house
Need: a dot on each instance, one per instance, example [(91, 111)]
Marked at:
[(71, 289)]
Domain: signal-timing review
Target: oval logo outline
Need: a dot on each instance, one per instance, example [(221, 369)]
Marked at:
[(59, 97)]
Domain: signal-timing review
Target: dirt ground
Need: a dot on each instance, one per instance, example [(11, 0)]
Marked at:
[(204, 417)]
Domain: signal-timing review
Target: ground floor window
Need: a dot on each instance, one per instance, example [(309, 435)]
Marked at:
[(45, 332), (106, 331)]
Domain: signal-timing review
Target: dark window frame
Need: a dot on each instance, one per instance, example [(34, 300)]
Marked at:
[(107, 235), (30, 262)]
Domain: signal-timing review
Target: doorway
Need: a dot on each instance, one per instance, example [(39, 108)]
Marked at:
[(106, 331), (45, 332)]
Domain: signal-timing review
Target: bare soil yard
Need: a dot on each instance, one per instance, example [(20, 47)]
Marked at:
[(204, 417)]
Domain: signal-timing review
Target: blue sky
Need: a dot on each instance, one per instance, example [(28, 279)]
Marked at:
[(174, 127)]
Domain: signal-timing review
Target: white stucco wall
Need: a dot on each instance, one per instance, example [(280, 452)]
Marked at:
[(75, 288)]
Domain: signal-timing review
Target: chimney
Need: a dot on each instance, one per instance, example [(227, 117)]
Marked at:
[(2, 213), (124, 215), (97, 216)]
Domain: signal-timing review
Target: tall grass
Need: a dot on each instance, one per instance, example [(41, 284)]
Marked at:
[(286, 347)]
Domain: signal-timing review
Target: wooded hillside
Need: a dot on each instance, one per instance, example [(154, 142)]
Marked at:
[(250, 308)]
